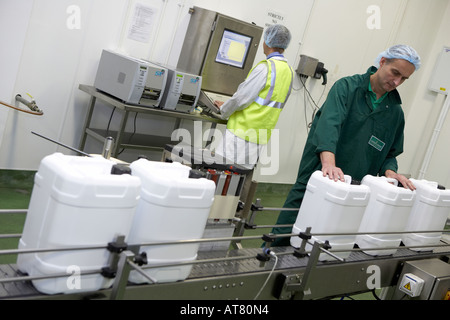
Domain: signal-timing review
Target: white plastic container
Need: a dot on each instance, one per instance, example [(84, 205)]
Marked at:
[(388, 210), (331, 207), (75, 201), (429, 212), (172, 207)]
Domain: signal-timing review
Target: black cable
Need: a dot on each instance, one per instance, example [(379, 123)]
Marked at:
[(375, 295), (309, 94), (109, 122), (132, 134), (316, 107)]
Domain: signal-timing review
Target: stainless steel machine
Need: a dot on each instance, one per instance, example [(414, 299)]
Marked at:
[(220, 49)]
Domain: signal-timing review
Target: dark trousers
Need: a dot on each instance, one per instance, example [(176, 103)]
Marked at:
[(293, 200)]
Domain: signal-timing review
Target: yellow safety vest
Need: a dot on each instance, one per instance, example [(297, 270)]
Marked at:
[(256, 122)]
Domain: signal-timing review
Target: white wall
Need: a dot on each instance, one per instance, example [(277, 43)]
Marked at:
[(423, 116), (53, 57), (10, 59), (49, 59)]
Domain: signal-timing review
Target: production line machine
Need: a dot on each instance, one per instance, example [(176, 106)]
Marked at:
[(282, 273), (221, 269), (219, 272)]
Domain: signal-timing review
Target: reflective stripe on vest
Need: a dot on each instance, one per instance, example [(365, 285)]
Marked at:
[(256, 122), (267, 100)]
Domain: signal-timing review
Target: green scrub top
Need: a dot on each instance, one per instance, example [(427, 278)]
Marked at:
[(373, 97), (365, 140)]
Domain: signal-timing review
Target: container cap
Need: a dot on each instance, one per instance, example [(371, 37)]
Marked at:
[(119, 169)]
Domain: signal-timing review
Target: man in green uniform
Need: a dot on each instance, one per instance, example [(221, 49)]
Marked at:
[(357, 131)]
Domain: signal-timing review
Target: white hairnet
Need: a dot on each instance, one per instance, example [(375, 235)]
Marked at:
[(277, 36), (400, 51)]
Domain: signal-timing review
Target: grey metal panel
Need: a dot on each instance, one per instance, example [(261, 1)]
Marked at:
[(441, 287), (196, 40), (201, 44), (436, 276), (223, 78)]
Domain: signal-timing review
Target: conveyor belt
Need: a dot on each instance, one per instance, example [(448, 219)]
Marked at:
[(238, 268), (16, 288)]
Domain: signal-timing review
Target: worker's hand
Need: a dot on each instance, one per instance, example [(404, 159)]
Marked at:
[(406, 183), (329, 167), (218, 103), (333, 172)]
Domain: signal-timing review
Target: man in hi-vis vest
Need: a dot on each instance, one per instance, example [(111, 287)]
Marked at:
[(254, 109)]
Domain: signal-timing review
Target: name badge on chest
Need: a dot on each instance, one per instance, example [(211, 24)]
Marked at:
[(376, 143)]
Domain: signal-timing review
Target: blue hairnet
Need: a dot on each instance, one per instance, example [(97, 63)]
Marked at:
[(400, 51), (277, 36)]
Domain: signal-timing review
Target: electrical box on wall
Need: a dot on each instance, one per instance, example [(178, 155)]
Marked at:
[(440, 79), (307, 66), (311, 67)]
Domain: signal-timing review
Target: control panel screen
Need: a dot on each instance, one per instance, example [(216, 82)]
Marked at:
[(233, 48)]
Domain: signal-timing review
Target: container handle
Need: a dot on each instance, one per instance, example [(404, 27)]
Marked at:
[(393, 181), (348, 179)]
